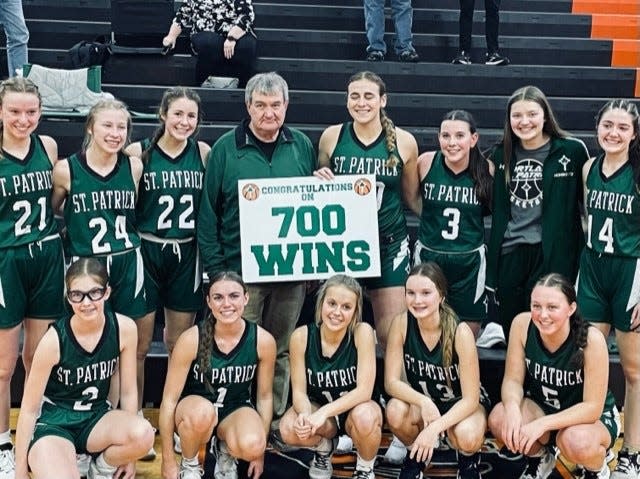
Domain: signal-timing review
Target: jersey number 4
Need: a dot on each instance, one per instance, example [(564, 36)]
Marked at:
[(605, 235)]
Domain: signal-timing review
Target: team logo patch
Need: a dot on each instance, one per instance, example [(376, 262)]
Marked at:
[(250, 192), (526, 184), (362, 186)]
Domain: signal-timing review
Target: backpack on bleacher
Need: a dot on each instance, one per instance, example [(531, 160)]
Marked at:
[(86, 54)]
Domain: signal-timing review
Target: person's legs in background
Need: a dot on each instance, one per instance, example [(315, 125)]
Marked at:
[(492, 31), (15, 28), (374, 25), (403, 20), (276, 307), (242, 64), (208, 47), (465, 26)]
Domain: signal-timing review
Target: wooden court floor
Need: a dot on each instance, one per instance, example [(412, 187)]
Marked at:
[(151, 469)]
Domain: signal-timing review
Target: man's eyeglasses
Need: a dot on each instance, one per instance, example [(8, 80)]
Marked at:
[(95, 294)]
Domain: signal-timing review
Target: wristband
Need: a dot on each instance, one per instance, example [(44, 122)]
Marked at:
[(232, 38)]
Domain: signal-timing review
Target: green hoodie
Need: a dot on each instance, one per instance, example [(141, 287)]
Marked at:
[(562, 195)]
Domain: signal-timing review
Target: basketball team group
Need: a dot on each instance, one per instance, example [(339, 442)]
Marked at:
[(145, 222)]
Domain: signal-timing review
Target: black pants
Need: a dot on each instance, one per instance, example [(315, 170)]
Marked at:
[(492, 24), (209, 48)]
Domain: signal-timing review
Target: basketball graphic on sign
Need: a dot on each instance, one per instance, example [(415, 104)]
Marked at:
[(250, 192), (362, 186)]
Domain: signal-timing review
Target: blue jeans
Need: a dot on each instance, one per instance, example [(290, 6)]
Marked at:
[(402, 13), (15, 29)]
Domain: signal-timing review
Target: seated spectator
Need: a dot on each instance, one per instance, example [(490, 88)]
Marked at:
[(222, 37)]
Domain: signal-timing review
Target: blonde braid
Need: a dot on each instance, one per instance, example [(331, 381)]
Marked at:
[(390, 139)]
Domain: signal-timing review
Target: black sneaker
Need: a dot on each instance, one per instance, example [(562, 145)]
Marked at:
[(462, 58), (468, 466), (375, 56), (409, 56), (496, 59), (540, 467), (505, 453), (411, 469)]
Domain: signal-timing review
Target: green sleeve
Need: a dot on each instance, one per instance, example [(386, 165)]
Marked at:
[(208, 222)]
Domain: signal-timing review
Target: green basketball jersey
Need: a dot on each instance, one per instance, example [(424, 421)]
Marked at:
[(613, 212), (451, 218), (425, 370), (100, 211), (230, 380), (351, 157), (25, 197), (170, 192), (551, 381), (80, 381), (328, 378)]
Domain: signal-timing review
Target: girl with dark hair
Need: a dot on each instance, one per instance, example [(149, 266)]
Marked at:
[(455, 185), (65, 408), (554, 390), (166, 212), (609, 281), (536, 223), (332, 380), (215, 368), (432, 374), (31, 260), (374, 145)]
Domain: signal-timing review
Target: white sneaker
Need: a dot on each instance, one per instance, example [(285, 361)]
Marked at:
[(320, 466), (540, 467), (226, 464), (177, 446), (345, 445), (396, 452), (603, 473), (7, 464), (492, 335), (82, 462), (362, 473), (190, 471), (628, 466), (150, 455), (96, 472), (579, 471)]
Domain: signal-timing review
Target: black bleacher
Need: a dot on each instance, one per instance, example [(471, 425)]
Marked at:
[(318, 44)]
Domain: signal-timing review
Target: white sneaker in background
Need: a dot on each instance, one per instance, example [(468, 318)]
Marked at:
[(492, 335), (396, 452), (83, 461), (177, 446), (7, 464), (345, 445)]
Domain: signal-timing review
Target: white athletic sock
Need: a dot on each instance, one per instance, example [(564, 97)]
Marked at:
[(325, 446), (103, 465), (365, 464), (193, 461), (5, 437)]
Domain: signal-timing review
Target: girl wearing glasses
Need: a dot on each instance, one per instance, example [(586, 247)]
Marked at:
[(31, 262), (71, 377)]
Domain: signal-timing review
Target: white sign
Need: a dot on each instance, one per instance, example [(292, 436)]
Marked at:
[(301, 228)]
